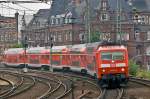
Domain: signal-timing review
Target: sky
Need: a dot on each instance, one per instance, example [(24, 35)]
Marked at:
[(9, 9)]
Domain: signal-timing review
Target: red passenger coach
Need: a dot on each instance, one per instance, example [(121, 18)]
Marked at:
[(11, 57), (83, 57), (44, 58), (40, 57), (33, 57), (78, 55), (59, 58)]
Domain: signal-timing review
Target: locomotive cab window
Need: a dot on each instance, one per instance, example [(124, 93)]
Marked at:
[(117, 56), (106, 56), (112, 56)]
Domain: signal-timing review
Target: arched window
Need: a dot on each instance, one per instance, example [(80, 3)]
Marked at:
[(148, 35)]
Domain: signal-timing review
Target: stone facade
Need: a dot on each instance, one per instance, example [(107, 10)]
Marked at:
[(8, 32)]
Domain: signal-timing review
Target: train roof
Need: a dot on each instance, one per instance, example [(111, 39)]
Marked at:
[(59, 48), (88, 47), (14, 51), (56, 49), (121, 47), (82, 47), (35, 50), (77, 48)]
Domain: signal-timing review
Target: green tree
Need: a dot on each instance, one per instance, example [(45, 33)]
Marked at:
[(95, 36), (17, 45), (133, 68)]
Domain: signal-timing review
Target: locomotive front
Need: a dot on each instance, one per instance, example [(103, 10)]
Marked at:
[(112, 62)]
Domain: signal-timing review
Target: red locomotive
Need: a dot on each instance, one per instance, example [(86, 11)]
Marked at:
[(107, 63)]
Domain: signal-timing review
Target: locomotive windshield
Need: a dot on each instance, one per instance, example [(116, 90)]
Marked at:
[(112, 55)]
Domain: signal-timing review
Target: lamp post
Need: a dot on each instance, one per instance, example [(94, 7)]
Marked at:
[(118, 19), (25, 44), (88, 23), (51, 45)]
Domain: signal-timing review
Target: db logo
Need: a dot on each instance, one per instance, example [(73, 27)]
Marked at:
[(113, 65)]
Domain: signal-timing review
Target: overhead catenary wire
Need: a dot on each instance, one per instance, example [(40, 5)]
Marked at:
[(18, 1), (48, 2), (11, 6), (15, 9), (25, 7)]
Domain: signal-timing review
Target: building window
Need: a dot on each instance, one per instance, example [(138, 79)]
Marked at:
[(119, 17), (61, 20), (66, 36), (137, 36), (52, 19), (142, 19), (81, 37), (104, 4), (48, 38), (104, 17), (149, 20), (69, 20), (138, 51), (66, 20), (54, 38), (148, 35), (56, 21), (59, 38), (70, 36), (124, 36)]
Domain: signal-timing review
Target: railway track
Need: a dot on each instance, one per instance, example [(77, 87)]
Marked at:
[(66, 86), (72, 88), (140, 81), (24, 85), (60, 86), (137, 89), (18, 86), (6, 86), (112, 93)]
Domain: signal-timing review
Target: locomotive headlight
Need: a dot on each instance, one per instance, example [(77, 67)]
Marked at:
[(122, 69), (103, 70)]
